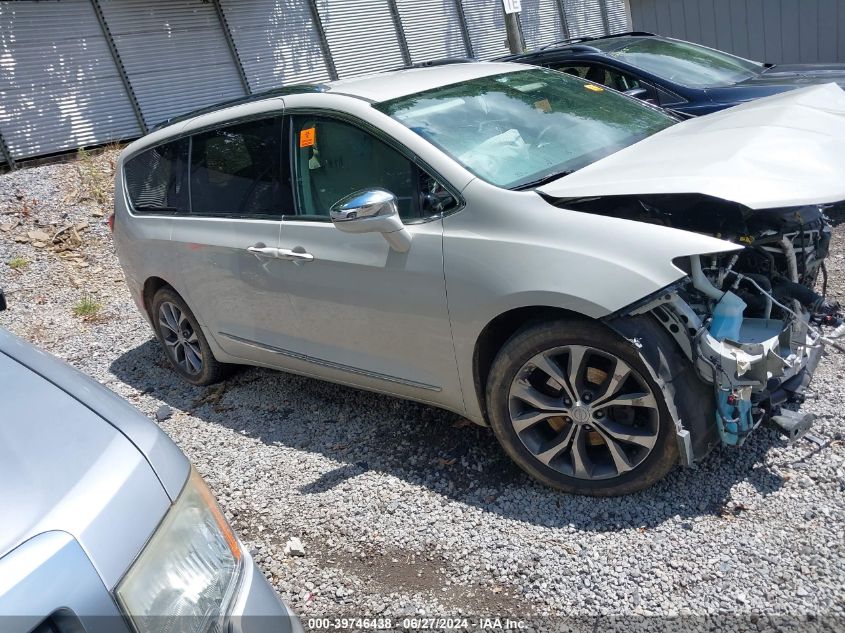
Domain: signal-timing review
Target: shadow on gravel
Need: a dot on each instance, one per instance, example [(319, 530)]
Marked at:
[(433, 448)]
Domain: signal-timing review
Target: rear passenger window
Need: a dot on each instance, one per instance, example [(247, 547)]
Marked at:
[(156, 179), (237, 171)]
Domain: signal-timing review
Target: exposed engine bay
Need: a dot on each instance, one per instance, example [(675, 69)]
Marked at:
[(754, 321)]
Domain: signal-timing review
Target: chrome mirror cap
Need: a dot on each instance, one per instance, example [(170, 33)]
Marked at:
[(372, 211), (366, 203)]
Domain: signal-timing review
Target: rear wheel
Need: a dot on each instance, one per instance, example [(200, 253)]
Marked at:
[(182, 339), (575, 406)]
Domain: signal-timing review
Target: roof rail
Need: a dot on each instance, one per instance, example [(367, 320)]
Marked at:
[(256, 96), (577, 40), (444, 61)]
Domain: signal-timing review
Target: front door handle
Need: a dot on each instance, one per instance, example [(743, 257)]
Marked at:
[(295, 255), (263, 251)]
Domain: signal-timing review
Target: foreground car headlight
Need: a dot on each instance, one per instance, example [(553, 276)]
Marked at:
[(186, 575)]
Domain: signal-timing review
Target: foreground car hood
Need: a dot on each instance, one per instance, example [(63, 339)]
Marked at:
[(785, 150), (64, 468)]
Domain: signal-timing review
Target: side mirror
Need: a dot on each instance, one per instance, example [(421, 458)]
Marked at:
[(637, 93), (372, 211)]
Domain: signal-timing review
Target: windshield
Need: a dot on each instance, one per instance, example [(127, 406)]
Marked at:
[(687, 64), (516, 129)]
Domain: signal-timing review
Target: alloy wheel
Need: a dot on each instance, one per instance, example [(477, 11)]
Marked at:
[(180, 338), (584, 412)]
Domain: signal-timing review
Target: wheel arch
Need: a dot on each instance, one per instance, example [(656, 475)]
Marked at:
[(151, 286), (497, 332)]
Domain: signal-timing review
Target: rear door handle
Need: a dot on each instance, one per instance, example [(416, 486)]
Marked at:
[(295, 255), (263, 251)]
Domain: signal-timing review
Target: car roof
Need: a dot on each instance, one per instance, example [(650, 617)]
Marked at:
[(602, 44), (375, 87), (400, 83)]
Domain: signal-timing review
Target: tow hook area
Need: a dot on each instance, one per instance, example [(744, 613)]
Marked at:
[(793, 424)]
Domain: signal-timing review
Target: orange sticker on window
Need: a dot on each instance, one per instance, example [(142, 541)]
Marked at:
[(543, 105), (307, 137), (594, 88)]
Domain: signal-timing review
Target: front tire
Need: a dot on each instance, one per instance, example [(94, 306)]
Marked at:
[(574, 405), (182, 339)]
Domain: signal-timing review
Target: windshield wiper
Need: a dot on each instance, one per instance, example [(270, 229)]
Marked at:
[(542, 181)]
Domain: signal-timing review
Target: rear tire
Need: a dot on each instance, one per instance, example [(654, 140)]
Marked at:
[(575, 406), (183, 341)]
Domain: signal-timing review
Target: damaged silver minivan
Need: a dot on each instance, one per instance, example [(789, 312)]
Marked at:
[(611, 290)]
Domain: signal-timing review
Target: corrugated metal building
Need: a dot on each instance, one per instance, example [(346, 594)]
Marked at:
[(774, 31), (85, 72)]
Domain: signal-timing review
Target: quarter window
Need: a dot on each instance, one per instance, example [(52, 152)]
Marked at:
[(237, 171), (156, 179), (334, 158)]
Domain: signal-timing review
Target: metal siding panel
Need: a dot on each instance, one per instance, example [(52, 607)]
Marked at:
[(709, 23), (361, 36), (59, 87), (175, 54), (486, 23), (677, 20), (828, 15), (432, 29), (643, 15), (693, 23), (584, 18), (541, 23), (617, 16), (277, 42), (739, 28), (840, 45), (664, 19), (808, 26), (790, 41), (772, 32), (722, 22), (756, 35)]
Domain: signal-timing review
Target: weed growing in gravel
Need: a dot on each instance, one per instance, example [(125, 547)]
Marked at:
[(87, 307), (18, 262), (96, 182)]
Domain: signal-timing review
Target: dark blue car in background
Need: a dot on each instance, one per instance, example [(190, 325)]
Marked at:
[(687, 78)]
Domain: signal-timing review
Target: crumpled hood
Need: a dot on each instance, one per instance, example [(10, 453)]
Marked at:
[(781, 151)]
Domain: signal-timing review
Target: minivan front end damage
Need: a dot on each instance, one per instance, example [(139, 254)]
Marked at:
[(750, 321)]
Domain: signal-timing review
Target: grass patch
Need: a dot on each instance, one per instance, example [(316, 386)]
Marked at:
[(17, 263), (96, 181), (87, 307)]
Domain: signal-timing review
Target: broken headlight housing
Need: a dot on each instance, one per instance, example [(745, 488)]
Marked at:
[(186, 576)]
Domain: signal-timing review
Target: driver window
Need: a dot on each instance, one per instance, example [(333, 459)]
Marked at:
[(236, 171), (333, 159), (604, 76)]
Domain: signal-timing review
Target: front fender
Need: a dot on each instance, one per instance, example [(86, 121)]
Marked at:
[(508, 250)]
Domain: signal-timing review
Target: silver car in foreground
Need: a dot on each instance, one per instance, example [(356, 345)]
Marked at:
[(612, 291), (107, 528)]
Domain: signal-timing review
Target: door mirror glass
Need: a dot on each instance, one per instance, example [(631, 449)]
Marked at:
[(372, 211)]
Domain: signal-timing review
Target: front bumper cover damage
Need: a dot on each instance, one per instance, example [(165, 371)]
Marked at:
[(766, 356), (746, 378)]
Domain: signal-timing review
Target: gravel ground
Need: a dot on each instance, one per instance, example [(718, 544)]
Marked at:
[(403, 509)]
